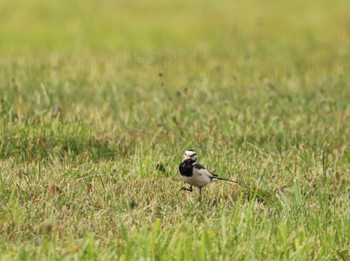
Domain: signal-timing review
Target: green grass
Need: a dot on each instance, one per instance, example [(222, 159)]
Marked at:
[(99, 100)]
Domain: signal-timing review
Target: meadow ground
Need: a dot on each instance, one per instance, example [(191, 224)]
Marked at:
[(99, 100)]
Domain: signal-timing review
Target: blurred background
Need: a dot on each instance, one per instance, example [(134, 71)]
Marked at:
[(220, 26), (268, 71)]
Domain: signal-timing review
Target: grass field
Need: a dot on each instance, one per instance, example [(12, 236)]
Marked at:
[(99, 100)]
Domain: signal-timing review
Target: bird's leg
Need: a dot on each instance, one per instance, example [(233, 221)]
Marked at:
[(187, 189), (200, 194)]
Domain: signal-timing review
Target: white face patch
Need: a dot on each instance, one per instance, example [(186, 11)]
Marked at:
[(191, 154)]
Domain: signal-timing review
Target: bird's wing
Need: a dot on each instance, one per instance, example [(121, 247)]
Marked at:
[(198, 166), (203, 171)]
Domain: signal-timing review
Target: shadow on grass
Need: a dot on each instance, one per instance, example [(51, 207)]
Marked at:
[(43, 148)]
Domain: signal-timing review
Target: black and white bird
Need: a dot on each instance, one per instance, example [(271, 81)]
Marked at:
[(195, 174)]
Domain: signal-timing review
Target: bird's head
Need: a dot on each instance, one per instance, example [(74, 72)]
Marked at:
[(190, 154)]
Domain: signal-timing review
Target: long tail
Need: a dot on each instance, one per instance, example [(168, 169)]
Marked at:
[(229, 180)]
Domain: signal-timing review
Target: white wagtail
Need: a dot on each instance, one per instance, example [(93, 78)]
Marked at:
[(195, 174)]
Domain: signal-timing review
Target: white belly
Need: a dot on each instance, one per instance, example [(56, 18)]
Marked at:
[(197, 180)]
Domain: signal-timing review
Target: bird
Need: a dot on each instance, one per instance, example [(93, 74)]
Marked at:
[(195, 174)]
